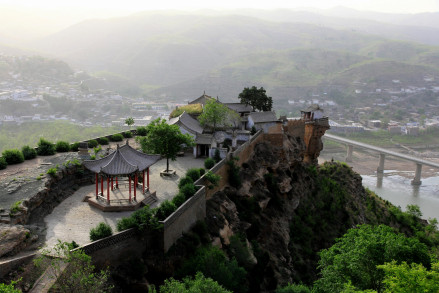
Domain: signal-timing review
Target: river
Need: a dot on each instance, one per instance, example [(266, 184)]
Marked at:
[(397, 189)]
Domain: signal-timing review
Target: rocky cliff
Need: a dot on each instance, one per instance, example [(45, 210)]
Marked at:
[(286, 211)]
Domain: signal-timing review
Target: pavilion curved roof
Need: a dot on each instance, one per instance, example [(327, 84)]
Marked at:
[(125, 160)]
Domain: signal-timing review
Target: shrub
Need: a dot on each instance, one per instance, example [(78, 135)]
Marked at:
[(214, 179), (217, 156), (52, 171), (126, 223), (185, 180), (166, 208), (212, 262), (233, 174), (127, 134), (188, 190), (294, 288), (28, 152), (92, 143), (102, 230), (117, 137), (92, 157), (253, 130), (15, 207), (142, 131), (194, 173), (179, 199), (13, 156), (202, 171), (103, 140), (3, 163), (62, 146), (209, 163), (45, 148), (74, 147)]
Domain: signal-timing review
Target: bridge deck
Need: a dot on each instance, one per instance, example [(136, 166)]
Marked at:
[(380, 150)]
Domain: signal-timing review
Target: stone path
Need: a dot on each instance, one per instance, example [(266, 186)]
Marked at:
[(72, 219)]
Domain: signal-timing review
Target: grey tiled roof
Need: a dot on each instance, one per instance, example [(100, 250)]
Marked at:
[(188, 122), (201, 100), (125, 160), (204, 139), (238, 107), (260, 117)]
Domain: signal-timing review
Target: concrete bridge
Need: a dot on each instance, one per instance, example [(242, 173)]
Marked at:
[(382, 152)]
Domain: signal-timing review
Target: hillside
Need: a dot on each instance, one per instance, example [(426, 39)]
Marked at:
[(166, 53)]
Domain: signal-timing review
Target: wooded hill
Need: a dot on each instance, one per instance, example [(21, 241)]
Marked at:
[(182, 54)]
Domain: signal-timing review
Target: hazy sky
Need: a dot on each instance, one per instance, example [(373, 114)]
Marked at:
[(395, 6)]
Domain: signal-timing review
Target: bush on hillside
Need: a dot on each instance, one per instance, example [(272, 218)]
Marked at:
[(214, 179), (92, 143), (45, 148), (13, 156), (117, 137), (62, 146), (3, 163), (188, 190), (217, 156), (209, 163), (166, 208), (185, 180), (141, 131), (194, 173), (28, 152), (102, 230), (127, 134), (103, 141), (179, 199), (202, 171), (74, 147)]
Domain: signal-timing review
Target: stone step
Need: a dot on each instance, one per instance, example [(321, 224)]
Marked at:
[(150, 200)]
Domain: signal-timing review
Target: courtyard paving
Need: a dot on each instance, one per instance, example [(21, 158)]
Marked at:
[(73, 218)]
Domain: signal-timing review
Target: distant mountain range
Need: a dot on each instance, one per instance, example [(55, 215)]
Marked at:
[(181, 54)]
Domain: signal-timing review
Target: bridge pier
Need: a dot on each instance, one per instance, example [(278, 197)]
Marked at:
[(417, 179), (350, 149), (380, 168)]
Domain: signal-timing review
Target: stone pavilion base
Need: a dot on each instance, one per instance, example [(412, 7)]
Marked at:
[(121, 203)]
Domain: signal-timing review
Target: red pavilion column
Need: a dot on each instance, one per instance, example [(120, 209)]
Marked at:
[(102, 185), (111, 183), (117, 183), (147, 176), (108, 189), (143, 181), (135, 185), (129, 186), (97, 185)]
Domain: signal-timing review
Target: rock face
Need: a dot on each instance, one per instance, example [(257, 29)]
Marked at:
[(288, 210), (13, 239)]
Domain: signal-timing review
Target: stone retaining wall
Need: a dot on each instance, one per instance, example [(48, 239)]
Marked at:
[(184, 218)]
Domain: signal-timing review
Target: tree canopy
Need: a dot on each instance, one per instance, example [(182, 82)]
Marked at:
[(129, 121), (164, 139), (216, 114), (355, 256), (257, 98), (188, 285)]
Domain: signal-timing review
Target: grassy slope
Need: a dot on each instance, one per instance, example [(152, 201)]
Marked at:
[(14, 136)]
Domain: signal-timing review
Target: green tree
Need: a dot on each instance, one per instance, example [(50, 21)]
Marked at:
[(410, 278), (189, 285), (164, 139), (78, 276), (214, 114), (213, 263), (355, 256), (129, 121), (257, 98)]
